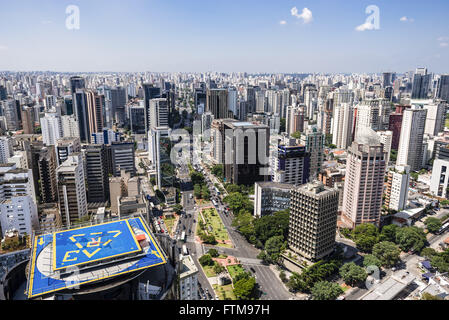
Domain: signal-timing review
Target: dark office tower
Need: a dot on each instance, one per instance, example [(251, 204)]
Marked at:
[(246, 147), (149, 92), (3, 93), (137, 119), (421, 84), (118, 103), (250, 96), (68, 106), (81, 113), (42, 162), (199, 97), (97, 174), (77, 83), (388, 79), (217, 103), (95, 104), (443, 88), (47, 175), (27, 120), (122, 158)]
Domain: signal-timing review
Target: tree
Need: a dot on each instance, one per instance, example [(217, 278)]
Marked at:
[(244, 223), (296, 135), (197, 178), (197, 191), (325, 290), (206, 260), (440, 263), (272, 225), (238, 202), (365, 243), (218, 171), (428, 253), (433, 224), (283, 276), (205, 193), (244, 289), (428, 296), (388, 233), (411, 239), (213, 253), (274, 246), (387, 252), (371, 260), (218, 268), (352, 273)]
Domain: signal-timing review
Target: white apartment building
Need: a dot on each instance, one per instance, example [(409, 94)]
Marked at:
[(397, 187), (70, 128), (411, 141), (188, 279), (51, 128), (342, 125), (6, 149), (440, 178)]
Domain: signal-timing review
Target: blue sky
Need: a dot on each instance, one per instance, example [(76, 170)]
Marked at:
[(226, 36)]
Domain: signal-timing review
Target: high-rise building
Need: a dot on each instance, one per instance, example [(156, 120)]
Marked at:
[(386, 138), (217, 103), (410, 144), (27, 120), (314, 141), (232, 100), (397, 186), (443, 88), (9, 109), (122, 158), (160, 146), (65, 147), (51, 128), (440, 178), (271, 197), (70, 127), (77, 83), (72, 190), (95, 111), (188, 279), (97, 174), (295, 119), (137, 119), (421, 84), (436, 115), (6, 149), (158, 113), (290, 165), (313, 220), (365, 172), (246, 152), (18, 209), (342, 125), (150, 92), (46, 163), (82, 116)]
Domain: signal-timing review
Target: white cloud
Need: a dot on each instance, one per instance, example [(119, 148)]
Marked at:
[(406, 19), (306, 14), (283, 22), (444, 44), (441, 39), (365, 26)]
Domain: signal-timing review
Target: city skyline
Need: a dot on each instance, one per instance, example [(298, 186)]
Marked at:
[(253, 37)]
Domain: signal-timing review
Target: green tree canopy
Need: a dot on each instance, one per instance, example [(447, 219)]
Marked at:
[(411, 239), (388, 233), (352, 273), (387, 252), (274, 246), (244, 289), (213, 253), (371, 260), (433, 224), (325, 290), (365, 243), (206, 260)]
